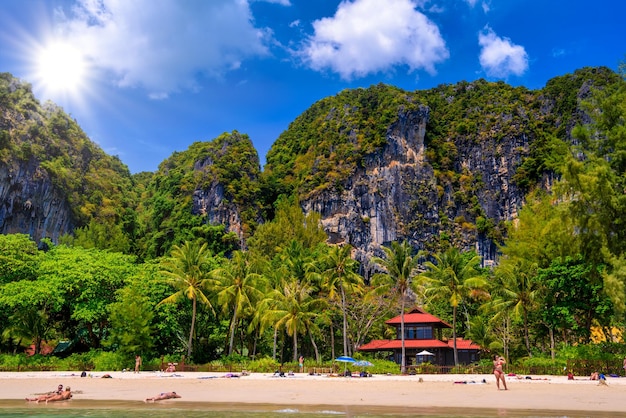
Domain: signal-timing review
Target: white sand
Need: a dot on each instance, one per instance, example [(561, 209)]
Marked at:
[(555, 393)]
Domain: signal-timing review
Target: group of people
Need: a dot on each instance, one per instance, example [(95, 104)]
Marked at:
[(61, 394), (57, 395)]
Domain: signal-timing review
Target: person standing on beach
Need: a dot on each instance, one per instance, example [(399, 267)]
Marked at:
[(301, 364), (498, 371), (137, 363), (624, 366)]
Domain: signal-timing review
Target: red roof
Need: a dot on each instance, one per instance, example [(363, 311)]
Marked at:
[(381, 345), (418, 316), (462, 344)]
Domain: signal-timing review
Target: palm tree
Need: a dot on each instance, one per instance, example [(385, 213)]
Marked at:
[(188, 271), (30, 324), (516, 292), (238, 287), (339, 279), (400, 267), (454, 276), (292, 307)]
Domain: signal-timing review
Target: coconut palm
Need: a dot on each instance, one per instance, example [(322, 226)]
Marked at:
[(454, 276), (188, 271), (292, 307), (400, 267), (340, 279), (517, 292), (238, 287)]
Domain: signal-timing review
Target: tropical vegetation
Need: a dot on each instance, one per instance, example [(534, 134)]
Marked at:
[(142, 274)]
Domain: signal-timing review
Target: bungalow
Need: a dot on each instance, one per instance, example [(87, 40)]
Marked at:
[(423, 342)]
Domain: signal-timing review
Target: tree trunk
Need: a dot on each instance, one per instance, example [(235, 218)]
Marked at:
[(552, 348), (317, 353), (332, 339), (403, 356), (256, 337), (345, 322), (275, 340), (456, 353), (233, 325), (295, 345), (193, 323), (526, 334)]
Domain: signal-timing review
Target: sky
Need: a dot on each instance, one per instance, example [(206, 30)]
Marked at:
[(146, 78)]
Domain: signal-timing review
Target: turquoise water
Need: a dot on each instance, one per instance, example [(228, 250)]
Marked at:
[(125, 409)]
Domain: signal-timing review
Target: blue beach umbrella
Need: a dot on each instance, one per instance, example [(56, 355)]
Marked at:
[(346, 360)]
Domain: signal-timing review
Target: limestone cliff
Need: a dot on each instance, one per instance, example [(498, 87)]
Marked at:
[(31, 204), (449, 170), (52, 177)]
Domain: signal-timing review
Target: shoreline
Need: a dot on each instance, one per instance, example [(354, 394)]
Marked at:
[(401, 394)]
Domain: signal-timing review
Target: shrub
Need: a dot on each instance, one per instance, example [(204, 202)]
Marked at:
[(107, 360)]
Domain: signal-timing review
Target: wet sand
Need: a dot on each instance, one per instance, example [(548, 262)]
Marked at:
[(402, 394)]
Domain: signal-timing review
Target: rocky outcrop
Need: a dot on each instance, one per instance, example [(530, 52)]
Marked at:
[(30, 204), (397, 195), (210, 203)]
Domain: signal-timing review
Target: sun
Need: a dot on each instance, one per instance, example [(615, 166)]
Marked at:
[(60, 68)]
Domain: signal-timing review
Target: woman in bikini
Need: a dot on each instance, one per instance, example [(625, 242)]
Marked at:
[(498, 362)]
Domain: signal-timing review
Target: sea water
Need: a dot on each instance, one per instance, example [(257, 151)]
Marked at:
[(126, 409)]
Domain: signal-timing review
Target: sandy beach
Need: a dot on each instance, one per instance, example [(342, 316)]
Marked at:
[(554, 393)]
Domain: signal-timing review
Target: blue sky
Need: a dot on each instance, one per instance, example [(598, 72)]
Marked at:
[(145, 78)]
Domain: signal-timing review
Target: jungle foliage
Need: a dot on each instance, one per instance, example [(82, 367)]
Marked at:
[(130, 278)]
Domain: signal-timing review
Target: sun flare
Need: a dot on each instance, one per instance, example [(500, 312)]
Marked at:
[(61, 68)]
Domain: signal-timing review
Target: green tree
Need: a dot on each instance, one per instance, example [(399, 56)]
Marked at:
[(289, 224), (517, 291), (130, 317), (340, 279), (105, 236), (187, 270), (593, 184), (575, 297), (399, 266), (293, 308), (454, 276), (30, 324), (238, 288), (19, 257), (88, 280)]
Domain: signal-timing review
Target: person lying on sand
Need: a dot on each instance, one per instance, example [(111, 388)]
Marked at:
[(40, 398), (45, 397), (66, 395), (164, 395), (53, 397)]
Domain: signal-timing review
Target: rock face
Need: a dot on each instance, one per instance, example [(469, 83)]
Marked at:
[(411, 190), (379, 165), (396, 195), (30, 204), (211, 203)]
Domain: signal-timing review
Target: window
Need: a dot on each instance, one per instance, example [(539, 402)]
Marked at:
[(416, 333), (424, 333)]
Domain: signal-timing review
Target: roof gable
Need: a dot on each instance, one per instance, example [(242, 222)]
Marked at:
[(418, 316)]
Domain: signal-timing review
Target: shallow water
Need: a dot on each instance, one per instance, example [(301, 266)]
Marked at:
[(126, 409)]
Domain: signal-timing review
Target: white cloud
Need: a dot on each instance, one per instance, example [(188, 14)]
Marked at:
[(485, 4), (499, 57), (163, 46), (364, 37)]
